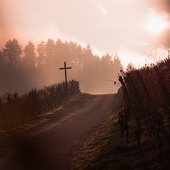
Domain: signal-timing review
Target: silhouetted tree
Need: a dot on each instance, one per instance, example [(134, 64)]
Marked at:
[(87, 58), (41, 54), (61, 53), (50, 51), (12, 52), (107, 63), (29, 58), (1, 57)]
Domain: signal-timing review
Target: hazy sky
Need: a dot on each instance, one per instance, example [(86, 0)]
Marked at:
[(131, 28)]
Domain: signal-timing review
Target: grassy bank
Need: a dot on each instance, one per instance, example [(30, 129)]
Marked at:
[(105, 149)]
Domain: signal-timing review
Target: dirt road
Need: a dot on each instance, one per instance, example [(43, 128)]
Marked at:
[(50, 145)]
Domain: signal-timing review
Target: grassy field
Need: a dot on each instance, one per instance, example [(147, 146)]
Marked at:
[(104, 149)]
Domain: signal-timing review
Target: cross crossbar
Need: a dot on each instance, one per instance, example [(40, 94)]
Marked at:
[(65, 69)]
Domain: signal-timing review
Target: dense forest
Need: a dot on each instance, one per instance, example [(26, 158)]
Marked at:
[(35, 66)]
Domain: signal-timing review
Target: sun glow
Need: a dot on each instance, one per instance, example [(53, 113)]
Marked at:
[(157, 23), (137, 60)]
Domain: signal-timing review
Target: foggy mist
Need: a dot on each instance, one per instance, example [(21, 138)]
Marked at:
[(116, 27), (24, 68)]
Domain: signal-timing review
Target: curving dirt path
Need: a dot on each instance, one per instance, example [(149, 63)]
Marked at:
[(50, 145)]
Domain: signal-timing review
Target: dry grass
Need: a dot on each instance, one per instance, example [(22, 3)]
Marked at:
[(104, 149), (55, 114)]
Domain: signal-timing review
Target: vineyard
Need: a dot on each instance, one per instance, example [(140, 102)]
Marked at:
[(16, 110), (147, 102)]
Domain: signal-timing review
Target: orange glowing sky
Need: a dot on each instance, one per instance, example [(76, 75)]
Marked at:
[(134, 29)]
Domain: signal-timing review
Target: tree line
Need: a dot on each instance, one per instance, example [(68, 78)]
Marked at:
[(23, 68)]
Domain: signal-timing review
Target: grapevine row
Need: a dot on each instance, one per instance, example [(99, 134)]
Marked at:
[(16, 110), (147, 100)]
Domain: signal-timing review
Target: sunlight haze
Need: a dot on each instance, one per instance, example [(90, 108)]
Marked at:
[(112, 26)]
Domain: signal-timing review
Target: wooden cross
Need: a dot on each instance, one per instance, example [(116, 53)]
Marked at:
[(65, 69)]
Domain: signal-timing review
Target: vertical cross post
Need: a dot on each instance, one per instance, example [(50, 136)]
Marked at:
[(65, 70)]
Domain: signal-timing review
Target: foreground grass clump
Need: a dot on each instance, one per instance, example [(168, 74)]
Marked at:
[(105, 149)]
